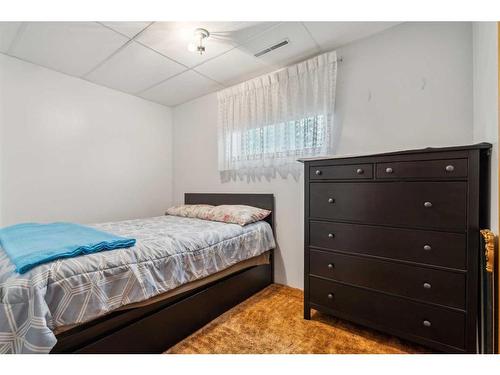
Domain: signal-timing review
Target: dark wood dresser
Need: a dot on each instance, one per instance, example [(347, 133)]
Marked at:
[(392, 242)]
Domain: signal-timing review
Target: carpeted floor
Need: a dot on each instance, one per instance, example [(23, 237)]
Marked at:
[(272, 322)]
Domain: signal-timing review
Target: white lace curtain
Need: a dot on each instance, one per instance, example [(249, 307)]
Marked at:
[(268, 122)]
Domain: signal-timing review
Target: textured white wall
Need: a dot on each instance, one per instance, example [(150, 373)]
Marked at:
[(72, 150), (408, 87), (486, 100)]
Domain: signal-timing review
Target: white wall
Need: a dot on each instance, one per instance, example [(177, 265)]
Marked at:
[(72, 150), (408, 87), (485, 59)]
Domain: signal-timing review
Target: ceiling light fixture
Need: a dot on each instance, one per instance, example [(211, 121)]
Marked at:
[(197, 44)]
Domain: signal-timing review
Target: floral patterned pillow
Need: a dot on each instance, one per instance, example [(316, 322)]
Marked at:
[(237, 214), (233, 214), (190, 210)]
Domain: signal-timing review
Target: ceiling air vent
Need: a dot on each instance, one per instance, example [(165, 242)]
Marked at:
[(272, 48)]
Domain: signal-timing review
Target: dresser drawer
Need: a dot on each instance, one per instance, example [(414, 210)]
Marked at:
[(420, 246), (429, 285), (388, 312), (454, 168), (440, 205), (341, 172)]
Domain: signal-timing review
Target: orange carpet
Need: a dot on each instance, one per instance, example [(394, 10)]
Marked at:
[(272, 322)]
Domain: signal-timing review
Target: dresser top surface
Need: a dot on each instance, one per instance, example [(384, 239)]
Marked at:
[(480, 146)]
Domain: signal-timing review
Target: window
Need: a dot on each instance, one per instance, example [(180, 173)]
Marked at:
[(292, 138), (271, 121)]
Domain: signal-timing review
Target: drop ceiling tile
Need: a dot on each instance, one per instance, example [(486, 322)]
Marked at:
[(180, 89), (69, 47), (8, 32), (330, 35), (134, 68), (172, 38), (300, 46), (240, 32), (233, 67), (129, 29)]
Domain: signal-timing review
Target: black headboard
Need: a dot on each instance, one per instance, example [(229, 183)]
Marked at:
[(265, 201)]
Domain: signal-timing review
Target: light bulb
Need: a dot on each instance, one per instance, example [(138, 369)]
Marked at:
[(192, 47)]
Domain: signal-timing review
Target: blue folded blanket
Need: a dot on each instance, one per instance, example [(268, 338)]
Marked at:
[(31, 244)]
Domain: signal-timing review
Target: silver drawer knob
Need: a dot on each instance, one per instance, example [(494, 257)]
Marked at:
[(360, 171), (331, 200), (330, 266), (331, 235), (330, 296), (450, 168), (318, 172), (427, 247), (426, 323), (388, 170), (427, 285), (427, 204)]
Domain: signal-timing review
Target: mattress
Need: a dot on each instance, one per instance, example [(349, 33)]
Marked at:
[(170, 252)]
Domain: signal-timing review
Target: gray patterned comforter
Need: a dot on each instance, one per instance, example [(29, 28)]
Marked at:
[(170, 251)]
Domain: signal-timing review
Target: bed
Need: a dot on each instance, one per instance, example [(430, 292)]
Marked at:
[(182, 273)]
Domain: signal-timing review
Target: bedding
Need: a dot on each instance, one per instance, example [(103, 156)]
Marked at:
[(170, 251), (199, 211), (226, 213), (237, 214), (31, 244)]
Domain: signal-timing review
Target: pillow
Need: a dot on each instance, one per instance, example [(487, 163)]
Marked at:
[(190, 210), (234, 214), (237, 214)]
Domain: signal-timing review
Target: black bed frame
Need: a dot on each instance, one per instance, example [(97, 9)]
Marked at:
[(156, 327)]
